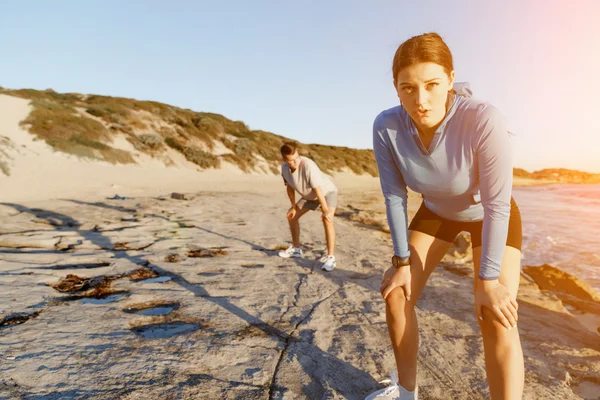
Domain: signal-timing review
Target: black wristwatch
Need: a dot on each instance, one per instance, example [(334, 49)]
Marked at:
[(399, 262)]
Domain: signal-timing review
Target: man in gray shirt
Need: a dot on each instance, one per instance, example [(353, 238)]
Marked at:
[(316, 189)]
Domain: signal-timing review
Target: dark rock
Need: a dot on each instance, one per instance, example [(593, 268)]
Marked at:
[(18, 318), (570, 289), (206, 253), (173, 258), (461, 247)]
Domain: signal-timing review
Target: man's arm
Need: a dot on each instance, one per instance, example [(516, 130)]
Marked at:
[(321, 198), (291, 194), (322, 202), (315, 180)]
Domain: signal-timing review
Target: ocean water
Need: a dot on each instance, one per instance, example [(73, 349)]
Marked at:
[(561, 227)]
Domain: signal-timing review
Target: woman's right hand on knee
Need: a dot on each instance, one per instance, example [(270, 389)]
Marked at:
[(396, 278)]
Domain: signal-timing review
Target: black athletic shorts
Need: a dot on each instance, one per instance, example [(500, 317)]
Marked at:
[(428, 222)]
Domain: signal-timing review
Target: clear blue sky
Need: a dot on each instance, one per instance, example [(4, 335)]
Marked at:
[(319, 71)]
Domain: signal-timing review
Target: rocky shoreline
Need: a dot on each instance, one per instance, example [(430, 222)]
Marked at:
[(154, 297)]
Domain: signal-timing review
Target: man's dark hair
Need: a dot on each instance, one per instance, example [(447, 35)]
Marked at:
[(288, 149)]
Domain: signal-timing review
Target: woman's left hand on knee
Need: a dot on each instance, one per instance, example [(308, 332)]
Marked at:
[(495, 296)]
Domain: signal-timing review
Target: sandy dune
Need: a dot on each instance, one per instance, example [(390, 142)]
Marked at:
[(37, 172)]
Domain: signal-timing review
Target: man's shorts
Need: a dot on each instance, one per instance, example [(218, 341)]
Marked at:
[(428, 222), (330, 198)]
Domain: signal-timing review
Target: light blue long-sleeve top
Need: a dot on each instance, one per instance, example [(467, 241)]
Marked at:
[(464, 175)]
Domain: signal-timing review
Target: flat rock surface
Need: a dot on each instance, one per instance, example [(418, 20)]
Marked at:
[(223, 317)]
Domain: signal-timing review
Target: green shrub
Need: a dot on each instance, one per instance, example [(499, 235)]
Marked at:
[(75, 149), (5, 143), (194, 154), (150, 141), (200, 157), (228, 143), (51, 120), (243, 147), (208, 125), (96, 112), (93, 144), (117, 156), (239, 162), (174, 144), (4, 168)]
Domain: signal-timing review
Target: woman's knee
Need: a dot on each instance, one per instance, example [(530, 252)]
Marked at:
[(492, 329), (397, 299)]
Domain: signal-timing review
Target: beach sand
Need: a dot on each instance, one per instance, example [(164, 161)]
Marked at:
[(222, 316)]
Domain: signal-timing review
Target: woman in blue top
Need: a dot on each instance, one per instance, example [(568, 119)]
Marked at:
[(456, 152)]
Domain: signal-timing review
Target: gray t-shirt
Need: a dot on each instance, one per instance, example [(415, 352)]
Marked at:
[(307, 177)]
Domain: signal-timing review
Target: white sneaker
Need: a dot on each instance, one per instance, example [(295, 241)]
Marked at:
[(329, 263), (394, 391), (291, 251)]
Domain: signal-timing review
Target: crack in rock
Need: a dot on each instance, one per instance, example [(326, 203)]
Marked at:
[(195, 379), (303, 278), (256, 346), (290, 338)]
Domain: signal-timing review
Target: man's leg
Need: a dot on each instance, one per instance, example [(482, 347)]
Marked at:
[(295, 226), (330, 233)]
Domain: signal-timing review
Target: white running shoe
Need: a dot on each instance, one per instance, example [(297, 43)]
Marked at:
[(394, 391), (291, 251), (329, 264)]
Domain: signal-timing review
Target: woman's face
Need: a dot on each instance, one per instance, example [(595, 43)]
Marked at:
[(423, 91)]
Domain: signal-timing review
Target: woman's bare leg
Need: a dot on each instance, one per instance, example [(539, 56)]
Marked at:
[(426, 254), (502, 347)]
